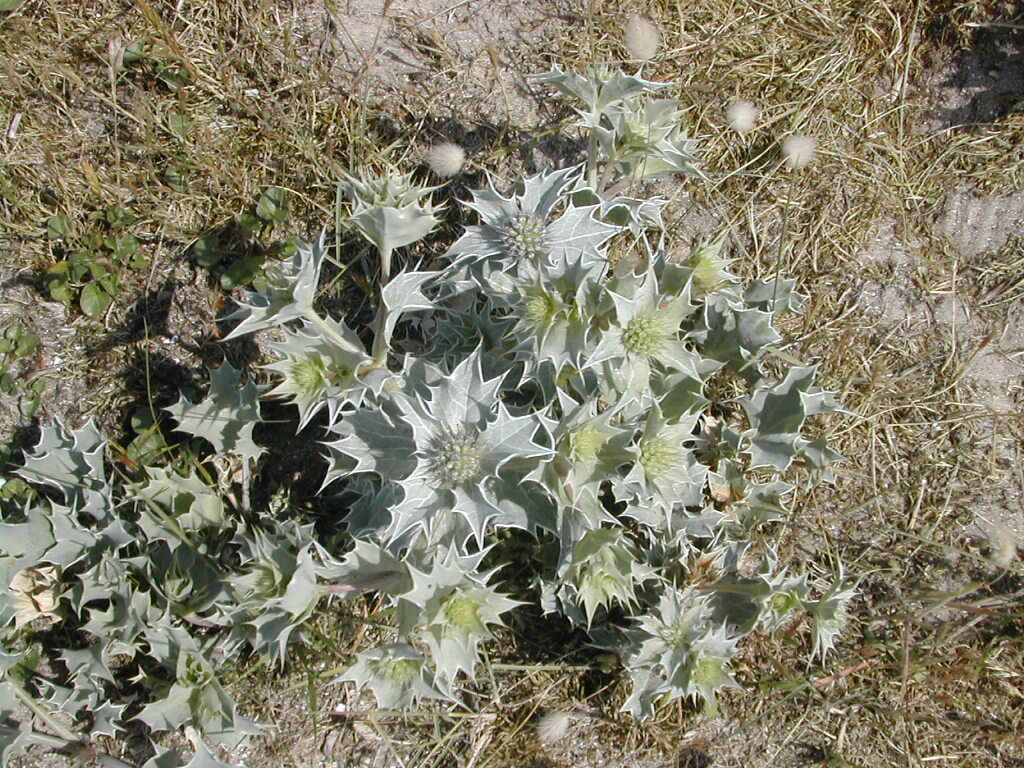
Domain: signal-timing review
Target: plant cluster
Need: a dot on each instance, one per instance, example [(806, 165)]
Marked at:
[(92, 255), (544, 387), (237, 252), (17, 348)]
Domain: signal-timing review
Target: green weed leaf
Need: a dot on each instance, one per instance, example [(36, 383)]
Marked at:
[(57, 227), (273, 205), (94, 300)]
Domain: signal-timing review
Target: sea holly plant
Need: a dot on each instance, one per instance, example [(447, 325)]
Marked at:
[(533, 394)]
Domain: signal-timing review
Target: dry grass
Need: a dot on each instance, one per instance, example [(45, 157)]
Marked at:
[(932, 670)]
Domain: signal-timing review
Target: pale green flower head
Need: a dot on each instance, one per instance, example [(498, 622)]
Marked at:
[(646, 332), (709, 670), (677, 651), (396, 673), (666, 474), (537, 224), (450, 608), (605, 571), (590, 445), (680, 620), (390, 212), (711, 268), (391, 191), (317, 374), (554, 308), (647, 138), (452, 447)]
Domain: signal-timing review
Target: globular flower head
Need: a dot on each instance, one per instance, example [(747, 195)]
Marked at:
[(553, 310), (446, 159), (389, 211), (524, 236), (646, 332), (450, 445), (454, 457), (646, 138), (798, 151), (660, 455), (666, 474), (395, 673), (590, 447), (709, 671), (781, 605), (641, 38), (537, 224), (316, 373), (393, 190)]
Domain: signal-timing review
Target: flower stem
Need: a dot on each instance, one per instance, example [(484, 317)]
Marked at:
[(782, 244), (592, 161), (325, 328), (385, 265)]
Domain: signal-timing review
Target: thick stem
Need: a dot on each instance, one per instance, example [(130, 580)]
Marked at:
[(325, 328), (380, 342), (605, 178), (246, 478), (592, 161)]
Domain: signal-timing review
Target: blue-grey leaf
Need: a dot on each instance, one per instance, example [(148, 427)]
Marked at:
[(288, 296), (71, 461), (226, 417)]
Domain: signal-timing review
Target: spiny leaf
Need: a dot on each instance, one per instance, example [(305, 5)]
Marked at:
[(226, 417), (73, 463), (288, 296)]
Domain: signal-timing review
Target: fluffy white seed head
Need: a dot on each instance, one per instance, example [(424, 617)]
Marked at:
[(799, 151), (742, 116), (1003, 546), (553, 727), (446, 159), (642, 38)]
